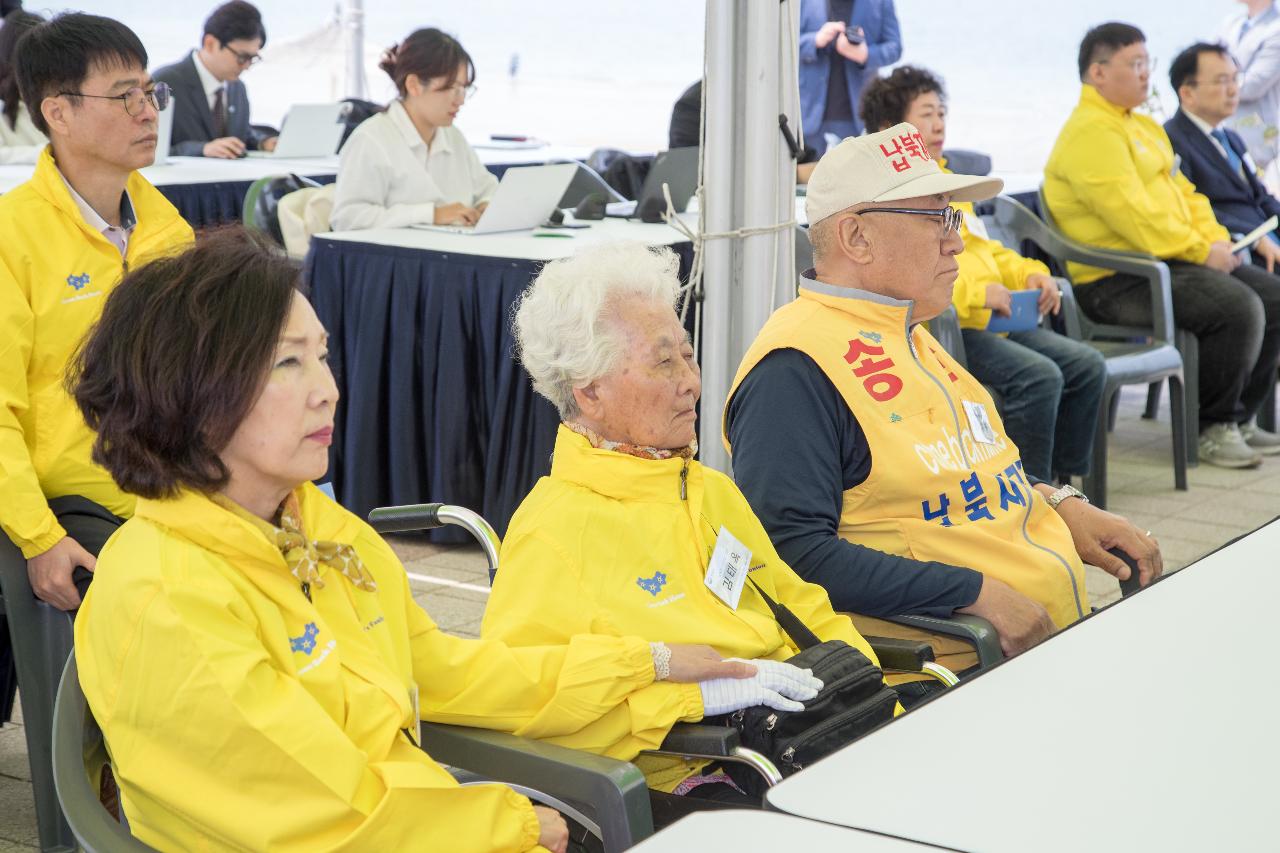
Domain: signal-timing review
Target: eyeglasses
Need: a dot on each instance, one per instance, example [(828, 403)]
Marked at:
[(135, 99), (1220, 82), (467, 91), (245, 59), (951, 217), (1137, 66)]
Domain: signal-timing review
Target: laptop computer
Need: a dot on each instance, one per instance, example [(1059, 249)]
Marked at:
[(309, 130), (524, 198), (164, 134), (678, 168)]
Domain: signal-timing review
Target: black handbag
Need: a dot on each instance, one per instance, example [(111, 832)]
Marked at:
[(854, 701)]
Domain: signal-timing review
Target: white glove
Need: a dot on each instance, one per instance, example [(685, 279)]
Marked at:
[(775, 684)]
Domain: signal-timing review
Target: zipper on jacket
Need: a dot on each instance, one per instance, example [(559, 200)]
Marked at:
[(306, 590), (684, 480), (411, 738), (955, 416)]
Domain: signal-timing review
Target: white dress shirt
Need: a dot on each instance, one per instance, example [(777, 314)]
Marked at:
[(389, 178), (1208, 129), (21, 143), (210, 83), (117, 235)]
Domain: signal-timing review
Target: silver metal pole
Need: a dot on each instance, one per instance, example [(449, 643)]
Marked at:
[(353, 24)]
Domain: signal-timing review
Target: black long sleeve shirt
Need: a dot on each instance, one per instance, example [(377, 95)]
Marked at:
[(794, 471)]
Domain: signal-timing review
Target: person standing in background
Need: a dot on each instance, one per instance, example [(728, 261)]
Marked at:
[(842, 45), (1253, 37)]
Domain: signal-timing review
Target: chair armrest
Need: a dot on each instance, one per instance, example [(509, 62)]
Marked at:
[(613, 792), (1017, 220), (972, 629), (1070, 309), (901, 655), (697, 739)]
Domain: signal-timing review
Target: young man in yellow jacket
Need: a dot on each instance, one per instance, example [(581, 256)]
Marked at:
[(878, 465), (1051, 385), (1112, 181), (70, 232)]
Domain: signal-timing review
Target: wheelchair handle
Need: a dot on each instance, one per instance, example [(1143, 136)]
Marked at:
[(401, 519)]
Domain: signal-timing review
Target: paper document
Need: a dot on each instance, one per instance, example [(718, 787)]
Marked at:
[(1256, 234)]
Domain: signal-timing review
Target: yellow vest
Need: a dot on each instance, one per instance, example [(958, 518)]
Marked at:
[(241, 715), (935, 492), (55, 274), (1112, 182)]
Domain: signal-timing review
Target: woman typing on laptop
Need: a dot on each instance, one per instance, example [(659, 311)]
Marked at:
[(409, 165)]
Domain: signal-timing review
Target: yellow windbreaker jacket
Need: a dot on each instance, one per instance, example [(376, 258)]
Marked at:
[(55, 274), (1111, 181), (985, 261), (618, 545), (239, 715)]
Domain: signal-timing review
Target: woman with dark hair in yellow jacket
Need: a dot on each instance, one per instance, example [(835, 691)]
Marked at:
[(252, 650)]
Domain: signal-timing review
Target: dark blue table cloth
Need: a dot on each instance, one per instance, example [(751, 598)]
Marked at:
[(434, 406)]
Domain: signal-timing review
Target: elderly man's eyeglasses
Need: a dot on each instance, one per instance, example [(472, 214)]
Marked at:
[(951, 217), (245, 59), (135, 99)]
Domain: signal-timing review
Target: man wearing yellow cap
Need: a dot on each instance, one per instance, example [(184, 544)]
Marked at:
[(879, 466)]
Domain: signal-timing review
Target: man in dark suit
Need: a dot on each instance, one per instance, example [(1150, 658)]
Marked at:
[(211, 117), (1214, 158)]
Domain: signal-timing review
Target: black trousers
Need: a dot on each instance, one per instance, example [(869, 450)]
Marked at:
[(1236, 318)]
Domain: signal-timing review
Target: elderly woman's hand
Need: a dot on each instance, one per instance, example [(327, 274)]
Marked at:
[(777, 684), (691, 664)]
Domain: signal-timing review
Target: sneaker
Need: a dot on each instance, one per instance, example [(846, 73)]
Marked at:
[(1266, 443), (1222, 445)]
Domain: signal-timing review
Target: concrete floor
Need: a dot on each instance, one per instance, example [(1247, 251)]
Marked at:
[(1219, 506)]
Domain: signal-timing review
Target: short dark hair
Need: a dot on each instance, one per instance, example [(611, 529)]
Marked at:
[(16, 25), (178, 360), (57, 57), (427, 53), (886, 100), (235, 20), (1186, 64), (1104, 40)]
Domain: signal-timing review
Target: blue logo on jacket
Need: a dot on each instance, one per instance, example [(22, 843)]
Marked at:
[(78, 282), (307, 642), (653, 585)]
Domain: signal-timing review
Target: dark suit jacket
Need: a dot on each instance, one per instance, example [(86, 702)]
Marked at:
[(879, 20), (193, 120), (1240, 204)]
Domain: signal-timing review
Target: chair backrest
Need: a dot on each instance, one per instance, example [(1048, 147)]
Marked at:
[(804, 251), (1042, 231), (965, 162), (79, 754), (946, 329), (261, 202), (354, 112)]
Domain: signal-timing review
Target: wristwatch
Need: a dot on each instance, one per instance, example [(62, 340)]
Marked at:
[(1067, 491)]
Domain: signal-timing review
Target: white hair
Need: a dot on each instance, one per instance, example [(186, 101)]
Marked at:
[(563, 334)]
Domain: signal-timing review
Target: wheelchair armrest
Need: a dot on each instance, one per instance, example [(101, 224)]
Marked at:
[(901, 655), (697, 739), (613, 792), (972, 629)]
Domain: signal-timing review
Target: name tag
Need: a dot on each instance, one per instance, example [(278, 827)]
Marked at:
[(727, 573), (979, 423)]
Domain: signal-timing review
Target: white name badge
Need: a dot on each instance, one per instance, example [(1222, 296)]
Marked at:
[(979, 423), (727, 573)]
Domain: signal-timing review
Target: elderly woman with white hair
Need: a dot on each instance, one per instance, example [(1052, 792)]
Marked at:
[(629, 532)]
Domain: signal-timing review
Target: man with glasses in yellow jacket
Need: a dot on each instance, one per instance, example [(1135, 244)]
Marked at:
[(1112, 181), (70, 233)]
